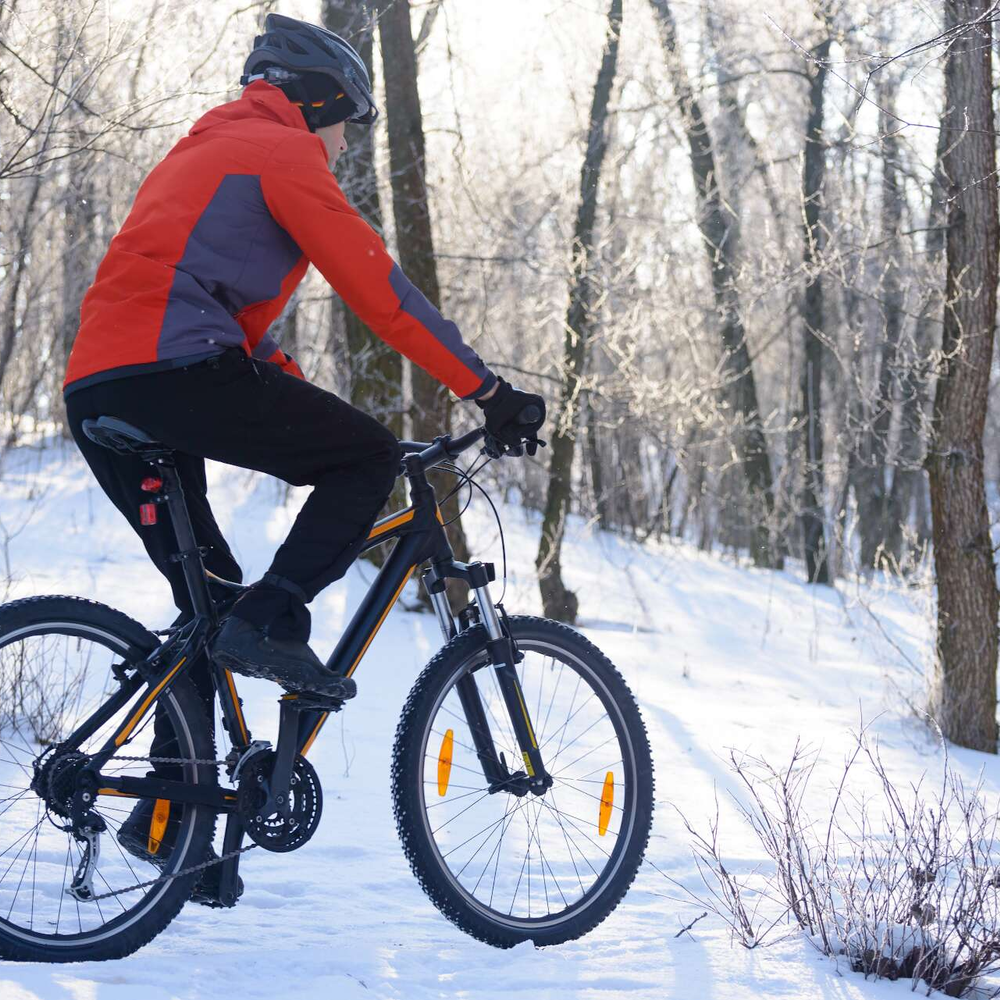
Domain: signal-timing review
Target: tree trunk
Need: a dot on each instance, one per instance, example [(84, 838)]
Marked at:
[(596, 467), (881, 540), (414, 238), (813, 171), (720, 234), (908, 499), (558, 601), (963, 695), (376, 369)]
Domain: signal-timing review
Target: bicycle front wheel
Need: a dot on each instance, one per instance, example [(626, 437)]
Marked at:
[(504, 867)]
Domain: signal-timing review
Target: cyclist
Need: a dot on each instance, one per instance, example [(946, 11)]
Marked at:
[(173, 337)]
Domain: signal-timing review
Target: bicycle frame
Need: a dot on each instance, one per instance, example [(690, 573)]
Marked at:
[(419, 535)]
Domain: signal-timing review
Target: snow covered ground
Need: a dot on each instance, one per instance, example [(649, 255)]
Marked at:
[(719, 656)]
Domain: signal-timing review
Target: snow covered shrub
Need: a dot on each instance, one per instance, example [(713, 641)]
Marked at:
[(903, 883), (38, 683)]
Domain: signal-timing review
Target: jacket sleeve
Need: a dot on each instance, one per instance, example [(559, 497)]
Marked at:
[(266, 348), (305, 200)]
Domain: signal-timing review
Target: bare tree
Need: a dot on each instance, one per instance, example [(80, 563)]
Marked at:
[(811, 400), (720, 233), (376, 369), (964, 695), (557, 599), (414, 236)]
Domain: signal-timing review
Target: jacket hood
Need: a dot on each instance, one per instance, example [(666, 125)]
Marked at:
[(259, 100)]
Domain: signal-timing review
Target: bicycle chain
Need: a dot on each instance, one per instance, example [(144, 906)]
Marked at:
[(170, 878), (174, 760), (190, 868)]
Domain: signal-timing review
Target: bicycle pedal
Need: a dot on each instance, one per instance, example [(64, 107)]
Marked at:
[(309, 701)]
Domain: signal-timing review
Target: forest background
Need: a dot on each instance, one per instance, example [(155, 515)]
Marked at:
[(747, 252)]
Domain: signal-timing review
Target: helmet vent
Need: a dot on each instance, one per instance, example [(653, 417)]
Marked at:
[(317, 62)]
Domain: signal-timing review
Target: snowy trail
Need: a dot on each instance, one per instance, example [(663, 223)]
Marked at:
[(718, 656)]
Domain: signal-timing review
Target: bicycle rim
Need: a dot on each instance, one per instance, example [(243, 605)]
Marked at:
[(532, 863), (65, 674)]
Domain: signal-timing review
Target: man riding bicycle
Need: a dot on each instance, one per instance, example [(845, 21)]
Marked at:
[(173, 337)]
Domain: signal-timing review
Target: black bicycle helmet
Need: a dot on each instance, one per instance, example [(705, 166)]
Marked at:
[(315, 68)]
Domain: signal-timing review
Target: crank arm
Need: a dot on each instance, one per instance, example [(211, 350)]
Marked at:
[(280, 784)]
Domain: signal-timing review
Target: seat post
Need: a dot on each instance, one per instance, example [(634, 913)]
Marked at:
[(188, 554)]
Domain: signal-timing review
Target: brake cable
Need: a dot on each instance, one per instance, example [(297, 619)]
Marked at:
[(466, 477)]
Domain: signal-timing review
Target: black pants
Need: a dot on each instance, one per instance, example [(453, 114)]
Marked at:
[(253, 415)]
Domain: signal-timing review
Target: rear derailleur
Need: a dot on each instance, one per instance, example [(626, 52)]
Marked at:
[(86, 826), (67, 785)]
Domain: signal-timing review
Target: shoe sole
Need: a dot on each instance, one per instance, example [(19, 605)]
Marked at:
[(336, 687)]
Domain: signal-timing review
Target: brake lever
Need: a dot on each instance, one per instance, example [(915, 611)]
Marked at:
[(497, 449)]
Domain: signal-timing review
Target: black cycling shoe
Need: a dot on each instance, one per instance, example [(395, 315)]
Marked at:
[(154, 844), (246, 649)]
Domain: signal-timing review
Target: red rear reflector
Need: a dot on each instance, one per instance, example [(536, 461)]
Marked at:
[(147, 513), (151, 484)]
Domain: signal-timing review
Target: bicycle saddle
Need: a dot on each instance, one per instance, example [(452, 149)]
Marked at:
[(110, 432)]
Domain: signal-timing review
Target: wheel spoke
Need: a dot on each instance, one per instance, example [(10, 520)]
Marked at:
[(490, 826), (68, 663), (587, 754), (543, 864), (447, 822)]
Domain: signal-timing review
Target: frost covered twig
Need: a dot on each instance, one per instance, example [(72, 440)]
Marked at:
[(904, 883)]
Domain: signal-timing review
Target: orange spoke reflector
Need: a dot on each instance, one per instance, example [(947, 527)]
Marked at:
[(607, 801), (444, 761), (158, 825)]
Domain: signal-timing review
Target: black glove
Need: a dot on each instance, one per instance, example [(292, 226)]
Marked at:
[(512, 417)]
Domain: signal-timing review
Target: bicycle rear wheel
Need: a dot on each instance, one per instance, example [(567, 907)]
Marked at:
[(508, 868), (56, 655)]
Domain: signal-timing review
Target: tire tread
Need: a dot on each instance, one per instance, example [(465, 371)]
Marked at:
[(58, 607), (406, 801)]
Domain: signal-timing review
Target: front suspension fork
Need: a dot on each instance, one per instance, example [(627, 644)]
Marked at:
[(504, 656)]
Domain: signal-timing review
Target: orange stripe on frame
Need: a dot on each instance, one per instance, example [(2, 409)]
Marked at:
[(383, 526), (378, 624), (236, 704), (312, 736), (131, 724)]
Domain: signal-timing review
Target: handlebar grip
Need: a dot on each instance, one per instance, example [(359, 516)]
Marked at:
[(529, 415)]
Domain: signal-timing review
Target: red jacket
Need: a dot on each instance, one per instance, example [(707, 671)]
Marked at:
[(220, 234)]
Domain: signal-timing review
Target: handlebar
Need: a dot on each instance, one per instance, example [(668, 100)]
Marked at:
[(444, 448)]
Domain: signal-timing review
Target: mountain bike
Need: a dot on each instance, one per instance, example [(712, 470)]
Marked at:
[(521, 775)]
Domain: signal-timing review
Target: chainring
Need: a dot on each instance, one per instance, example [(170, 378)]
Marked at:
[(273, 831)]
